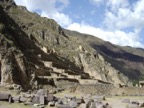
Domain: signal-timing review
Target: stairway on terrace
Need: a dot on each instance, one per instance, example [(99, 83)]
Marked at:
[(60, 71)]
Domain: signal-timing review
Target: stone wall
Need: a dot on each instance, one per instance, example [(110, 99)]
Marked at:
[(47, 64), (65, 83), (87, 81), (98, 89), (58, 70), (128, 91), (74, 76), (109, 90), (45, 49)]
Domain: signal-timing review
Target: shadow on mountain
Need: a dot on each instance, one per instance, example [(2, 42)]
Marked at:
[(118, 55), (13, 32), (118, 58)]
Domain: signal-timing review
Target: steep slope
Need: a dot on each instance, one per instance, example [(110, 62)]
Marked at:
[(135, 51), (13, 63), (130, 61), (34, 49)]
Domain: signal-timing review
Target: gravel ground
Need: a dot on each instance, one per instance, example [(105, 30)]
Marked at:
[(115, 102)]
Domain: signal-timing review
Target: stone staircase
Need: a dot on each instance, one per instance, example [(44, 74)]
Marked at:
[(61, 72), (48, 68)]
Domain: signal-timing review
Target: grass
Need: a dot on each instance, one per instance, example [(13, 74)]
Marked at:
[(17, 105), (12, 105), (115, 101)]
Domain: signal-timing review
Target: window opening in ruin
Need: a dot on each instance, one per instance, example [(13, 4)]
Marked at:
[(43, 35)]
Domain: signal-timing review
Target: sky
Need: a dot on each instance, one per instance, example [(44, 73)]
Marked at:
[(120, 22)]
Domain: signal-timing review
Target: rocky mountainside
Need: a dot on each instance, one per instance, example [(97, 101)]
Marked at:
[(128, 60), (35, 51)]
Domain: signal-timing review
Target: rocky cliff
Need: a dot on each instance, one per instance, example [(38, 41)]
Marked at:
[(36, 51)]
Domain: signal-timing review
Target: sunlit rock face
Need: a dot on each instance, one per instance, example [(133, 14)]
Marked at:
[(34, 49)]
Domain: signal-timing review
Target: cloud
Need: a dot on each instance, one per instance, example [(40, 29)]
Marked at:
[(96, 2), (32, 5), (117, 37), (48, 9), (62, 19), (122, 24), (122, 15), (114, 5)]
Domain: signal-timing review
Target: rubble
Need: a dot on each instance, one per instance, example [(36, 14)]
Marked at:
[(43, 98), (5, 97)]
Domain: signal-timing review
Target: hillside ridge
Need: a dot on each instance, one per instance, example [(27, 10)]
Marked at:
[(35, 51)]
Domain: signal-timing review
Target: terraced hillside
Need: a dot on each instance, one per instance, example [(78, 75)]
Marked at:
[(35, 51)]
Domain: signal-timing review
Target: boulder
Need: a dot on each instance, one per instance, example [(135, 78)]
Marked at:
[(89, 104), (29, 92), (141, 105), (16, 98), (42, 92), (106, 106), (50, 97), (36, 100), (17, 87), (42, 100), (4, 96), (63, 100), (35, 105), (73, 104), (79, 101), (23, 99), (39, 100), (26, 95), (125, 101), (98, 98), (51, 104), (99, 104), (135, 102), (83, 105)]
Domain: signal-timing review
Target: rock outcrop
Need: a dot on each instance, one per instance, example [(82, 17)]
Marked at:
[(13, 66)]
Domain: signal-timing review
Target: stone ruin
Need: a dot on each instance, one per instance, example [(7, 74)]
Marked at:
[(42, 98)]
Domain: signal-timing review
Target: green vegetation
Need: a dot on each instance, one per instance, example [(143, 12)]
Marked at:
[(135, 82), (141, 77)]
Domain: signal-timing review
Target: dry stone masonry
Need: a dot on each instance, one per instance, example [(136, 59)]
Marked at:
[(37, 54)]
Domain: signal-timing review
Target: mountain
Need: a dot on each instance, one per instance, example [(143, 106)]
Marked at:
[(35, 51)]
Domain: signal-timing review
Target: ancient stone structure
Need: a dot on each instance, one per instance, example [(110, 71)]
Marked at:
[(36, 52)]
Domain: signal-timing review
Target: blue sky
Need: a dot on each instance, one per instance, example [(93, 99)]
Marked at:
[(118, 21)]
